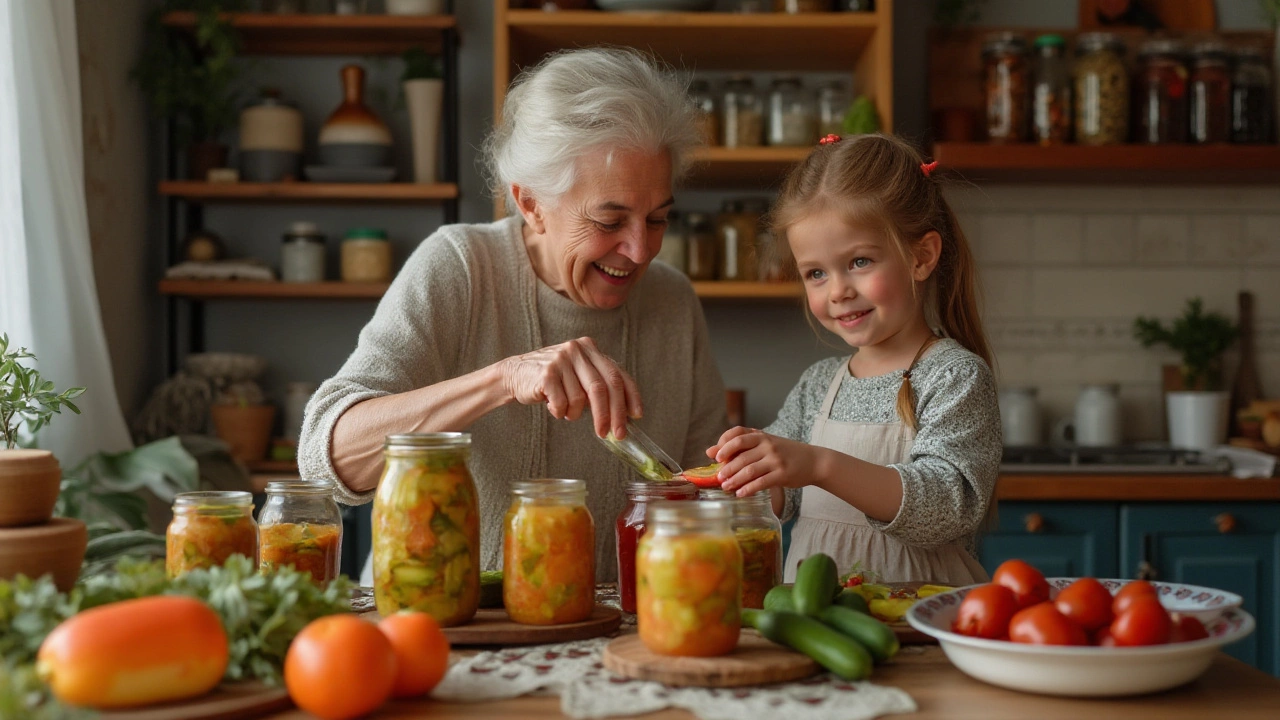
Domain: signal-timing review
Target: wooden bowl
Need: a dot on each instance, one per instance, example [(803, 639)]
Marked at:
[(56, 547), (29, 484)]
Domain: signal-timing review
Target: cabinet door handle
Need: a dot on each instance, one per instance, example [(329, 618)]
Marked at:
[(1147, 571), (1034, 522), (1226, 522)]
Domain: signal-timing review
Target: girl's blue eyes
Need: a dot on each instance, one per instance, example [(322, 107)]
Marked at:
[(860, 263)]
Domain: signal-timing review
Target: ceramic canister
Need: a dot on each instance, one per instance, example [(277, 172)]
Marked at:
[(353, 136), (270, 140)]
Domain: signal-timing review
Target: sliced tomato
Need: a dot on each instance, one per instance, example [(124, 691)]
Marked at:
[(704, 477)]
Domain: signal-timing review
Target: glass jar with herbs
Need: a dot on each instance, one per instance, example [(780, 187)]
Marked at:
[(708, 115), (1101, 90), (1051, 92), (742, 113), (1252, 112), (1161, 95), (1210, 93), (833, 103), (300, 525), (1007, 81), (793, 115), (737, 233), (700, 236)]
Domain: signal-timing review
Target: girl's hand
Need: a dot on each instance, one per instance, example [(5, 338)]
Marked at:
[(570, 376), (754, 460)]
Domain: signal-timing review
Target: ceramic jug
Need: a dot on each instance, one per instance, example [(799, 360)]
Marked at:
[(1096, 421), (270, 140), (1019, 417), (353, 136)]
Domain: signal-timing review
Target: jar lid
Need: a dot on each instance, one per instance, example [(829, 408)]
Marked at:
[(366, 233), (740, 80), (1162, 46), (1094, 41), (304, 227), (430, 440), (1004, 42), (1050, 40), (549, 487), (697, 218), (299, 487), (1209, 48), (213, 499)]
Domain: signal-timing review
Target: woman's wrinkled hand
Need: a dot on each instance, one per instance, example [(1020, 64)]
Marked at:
[(754, 460), (570, 377)]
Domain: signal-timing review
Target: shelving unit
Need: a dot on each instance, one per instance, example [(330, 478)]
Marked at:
[(272, 34), (308, 192)]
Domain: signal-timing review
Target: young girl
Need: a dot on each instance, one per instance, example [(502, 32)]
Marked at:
[(892, 454)]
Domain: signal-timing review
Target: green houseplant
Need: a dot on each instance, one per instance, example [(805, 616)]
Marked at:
[(423, 91)]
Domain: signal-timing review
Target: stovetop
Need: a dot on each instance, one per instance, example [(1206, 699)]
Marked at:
[(1124, 460)]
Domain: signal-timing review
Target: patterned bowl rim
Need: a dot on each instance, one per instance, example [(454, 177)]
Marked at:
[(1166, 590)]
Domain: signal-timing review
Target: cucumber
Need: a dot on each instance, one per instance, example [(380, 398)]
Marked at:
[(830, 648), (872, 634), (751, 617), (852, 600), (491, 589), (814, 582), (779, 598)]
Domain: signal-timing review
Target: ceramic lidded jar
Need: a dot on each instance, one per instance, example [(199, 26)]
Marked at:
[(270, 139), (353, 136)]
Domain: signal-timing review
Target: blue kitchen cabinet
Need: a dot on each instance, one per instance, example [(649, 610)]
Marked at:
[(1061, 539), (1231, 546)]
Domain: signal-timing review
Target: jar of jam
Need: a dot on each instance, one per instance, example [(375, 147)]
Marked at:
[(300, 525), (630, 526), (1210, 94), (366, 256), (759, 536), (1252, 112), (426, 528), (1162, 93), (1101, 90), (207, 528), (1008, 77), (701, 242), (548, 553)]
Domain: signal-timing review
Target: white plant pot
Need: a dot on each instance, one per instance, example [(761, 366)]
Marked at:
[(1197, 419), (415, 7), (425, 99)]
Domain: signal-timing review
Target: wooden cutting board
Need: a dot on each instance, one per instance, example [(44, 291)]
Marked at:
[(756, 661), (494, 627), (228, 701)]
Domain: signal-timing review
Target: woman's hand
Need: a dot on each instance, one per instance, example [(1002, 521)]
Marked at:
[(754, 460), (570, 375)]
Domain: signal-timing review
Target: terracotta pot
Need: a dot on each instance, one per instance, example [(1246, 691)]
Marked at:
[(246, 429), (203, 157), (56, 547), (29, 484)]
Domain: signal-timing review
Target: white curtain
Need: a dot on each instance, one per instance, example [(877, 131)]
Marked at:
[(48, 297)]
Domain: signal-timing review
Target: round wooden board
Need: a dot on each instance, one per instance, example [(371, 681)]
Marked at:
[(756, 661), (494, 627), (228, 701)]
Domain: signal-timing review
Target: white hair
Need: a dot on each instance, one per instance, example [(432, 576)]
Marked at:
[(577, 102)]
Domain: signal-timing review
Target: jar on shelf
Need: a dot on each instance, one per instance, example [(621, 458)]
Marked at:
[(793, 115), (742, 114), (1101, 90), (708, 117), (1007, 79), (1161, 95), (674, 250), (366, 256), (548, 553), (736, 229), (833, 103), (300, 525), (759, 535), (630, 526), (689, 580), (302, 254), (1210, 95), (1051, 92), (700, 236), (801, 6), (426, 528), (1252, 112), (207, 528)]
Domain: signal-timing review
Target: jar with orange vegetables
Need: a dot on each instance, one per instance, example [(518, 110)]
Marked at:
[(548, 553), (207, 528), (426, 528), (630, 526), (689, 580), (759, 536), (300, 525)]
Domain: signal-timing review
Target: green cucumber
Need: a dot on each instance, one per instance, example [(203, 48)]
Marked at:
[(874, 635), (830, 648), (491, 589), (814, 580), (852, 600), (779, 598), (751, 617)]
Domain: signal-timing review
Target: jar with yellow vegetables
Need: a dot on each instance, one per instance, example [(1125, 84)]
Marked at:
[(548, 553), (759, 535), (300, 525), (207, 528)]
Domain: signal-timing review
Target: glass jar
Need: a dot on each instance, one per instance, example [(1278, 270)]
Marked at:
[(793, 115), (548, 553), (1051, 92), (207, 528), (302, 254), (674, 250), (1161, 96), (736, 230), (801, 6), (1101, 90), (742, 112), (366, 256), (426, 528), (1252, 113), (689, 580), (300, 525), (701, 238), (1210, 95), (708, 117), (1004, 60), (833, 103), (630, 525), (759, 536)]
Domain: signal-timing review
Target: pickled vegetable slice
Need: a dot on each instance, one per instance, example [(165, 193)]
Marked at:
[(689, 594), (704, 476), (761, 548), (196, 540), (308, 548), (548, 563)]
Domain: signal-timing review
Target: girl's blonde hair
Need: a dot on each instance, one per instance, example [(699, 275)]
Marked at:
[(878, 182)]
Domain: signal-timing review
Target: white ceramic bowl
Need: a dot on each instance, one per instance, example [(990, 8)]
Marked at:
[(1204, 603), (1074, 671)]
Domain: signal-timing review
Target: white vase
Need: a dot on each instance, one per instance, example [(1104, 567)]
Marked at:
[(1197, 419), (424, 98), (415, 7), (1019, 417)]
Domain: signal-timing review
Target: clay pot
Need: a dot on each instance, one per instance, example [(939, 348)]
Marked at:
[(246, 429), (353, 136), (29, 485), (56, 547)]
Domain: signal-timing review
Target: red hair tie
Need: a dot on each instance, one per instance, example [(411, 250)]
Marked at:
[(830, 139), (928, 168)]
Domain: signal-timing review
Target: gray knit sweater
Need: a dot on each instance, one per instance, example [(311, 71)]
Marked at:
[(467, 298)]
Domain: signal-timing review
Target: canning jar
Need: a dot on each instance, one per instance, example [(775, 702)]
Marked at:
[(833, 103), (674, 250), (548, 553), (1252, 113), (366, 256), (736, 229), (1101, 90), (207, 528), (630, 525), (793, 116), (1161, 95), (701, 238), (708, 117), (759, 536), (426, 528), (1210, 96), (1004, 58), (1051, 92), (742, 113), (300, 525), (801, 6), (689, 580), (302, 254)]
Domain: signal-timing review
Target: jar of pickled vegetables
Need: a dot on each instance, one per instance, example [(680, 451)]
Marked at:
[(759, 537), (300, 525), (630, 526), (426, 528), (689, 580), (1101, 90), (548, 553), (1007, 79), (207, 528), (1162, 93)]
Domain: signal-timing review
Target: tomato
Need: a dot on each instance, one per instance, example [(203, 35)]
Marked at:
[(1026, 582), (985, 612), (1103, 637), (1186, 628), (340, 667), (1127, 594), (422, 652), (1143, 622), (1043, 625), (1086, 603)]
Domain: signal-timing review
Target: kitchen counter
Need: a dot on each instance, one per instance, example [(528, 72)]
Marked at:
[(1120, 488)]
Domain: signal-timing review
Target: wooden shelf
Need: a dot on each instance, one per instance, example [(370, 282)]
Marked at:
[(271, 34), (756, 167), (303, 192), (260, 290), (1167, 164), (725, 290)]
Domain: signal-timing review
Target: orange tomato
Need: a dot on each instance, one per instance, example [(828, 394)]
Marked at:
[(422, 652), (340, 667)]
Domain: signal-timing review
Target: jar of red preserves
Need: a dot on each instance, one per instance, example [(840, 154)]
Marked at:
[(630, 528)]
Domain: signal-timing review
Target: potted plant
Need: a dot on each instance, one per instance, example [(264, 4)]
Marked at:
[(244, 423), (424, 94), (1198, 413)]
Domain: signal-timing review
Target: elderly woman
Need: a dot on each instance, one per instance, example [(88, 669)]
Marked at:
[(512, 330)]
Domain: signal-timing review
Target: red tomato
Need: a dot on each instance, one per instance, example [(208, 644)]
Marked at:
[(1086, 603), (1026, 582), (985, 612), (1186, 628), (1103, 637), (1143, 622), (1127, 594), (1043, 625)]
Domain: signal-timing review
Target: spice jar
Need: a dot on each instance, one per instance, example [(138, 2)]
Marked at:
[(302, 254), (366, 256), (426, 528), (1210, 95), (1005, 68), (674, 250), (1252, 113), (630, 526), (1161, 95), (701, 238), (689, 580), (300, 525), (1051, 92), (736, 229), (793, 116), (207, 528), (801, 6), (1101, 90), (759, 535), (742, 112), (833, 103), (548, 553), (708, 118)]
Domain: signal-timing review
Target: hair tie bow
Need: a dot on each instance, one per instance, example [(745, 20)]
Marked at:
[(830, 139), (928, 168)]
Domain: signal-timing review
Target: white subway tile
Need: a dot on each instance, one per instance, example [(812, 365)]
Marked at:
[(1142, 409), (1107, 293), (1217, 240), (1110, 240), (1006, 292), (1262, 239), (1265, 286), (1162, 239), (1135, 366), (1057, 239), (1004, 239)]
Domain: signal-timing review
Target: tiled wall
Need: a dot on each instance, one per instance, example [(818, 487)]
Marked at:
[(1065, 270)]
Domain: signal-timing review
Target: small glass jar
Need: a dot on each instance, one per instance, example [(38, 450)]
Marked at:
[(708, 117), (1252, 111), (207, 528), (801, 6), (742, 112), (1210, 95), (302, 254), (1051, 92), (674, 250), (426, 528), (630, 526), (736, 230), (689, 580), (1004, 57), (702, 243), (1161, 110), (548, 553), (1101, 90), (793, 115), (759, 536), (366, 256), (833, 103), (300, 525)]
